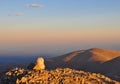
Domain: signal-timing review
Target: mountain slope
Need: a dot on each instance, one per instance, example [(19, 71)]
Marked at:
[(84, 59), (94, 60)]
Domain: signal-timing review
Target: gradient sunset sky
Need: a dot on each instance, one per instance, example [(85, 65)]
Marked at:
[(55, 27)]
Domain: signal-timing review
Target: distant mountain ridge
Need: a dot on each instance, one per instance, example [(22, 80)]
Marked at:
[(90, 56), (93, 60)]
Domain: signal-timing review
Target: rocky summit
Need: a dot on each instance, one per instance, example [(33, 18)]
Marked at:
[(56, 76)]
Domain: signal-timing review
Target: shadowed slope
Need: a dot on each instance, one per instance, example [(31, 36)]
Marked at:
[(112, 68), (112, 65)]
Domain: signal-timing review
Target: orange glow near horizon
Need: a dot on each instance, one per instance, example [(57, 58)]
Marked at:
[(44, 37)]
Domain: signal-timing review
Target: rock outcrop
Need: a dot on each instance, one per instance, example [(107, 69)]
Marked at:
[(57, 76), (39, 64)]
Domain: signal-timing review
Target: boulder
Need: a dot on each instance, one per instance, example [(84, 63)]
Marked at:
[(39, 64)]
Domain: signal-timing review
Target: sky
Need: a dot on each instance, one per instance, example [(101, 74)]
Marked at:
[(55, 27)]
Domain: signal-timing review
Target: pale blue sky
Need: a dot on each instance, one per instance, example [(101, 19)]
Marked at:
[(58, 7), (59, 11)]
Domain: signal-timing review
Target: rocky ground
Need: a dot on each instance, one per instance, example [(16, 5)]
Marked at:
[(57, 76)]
